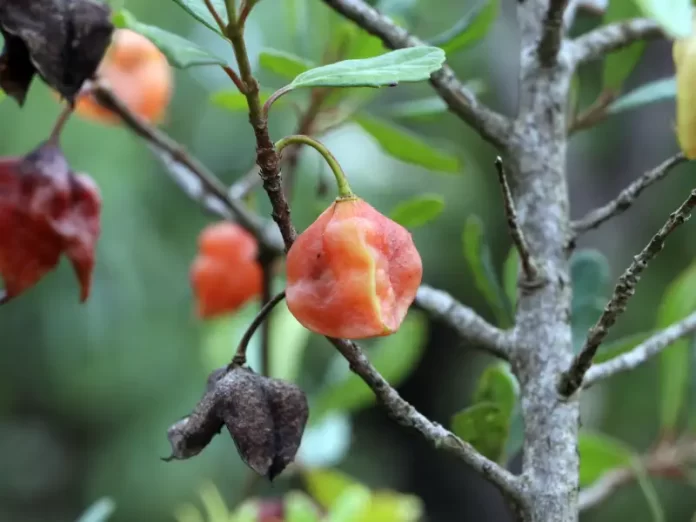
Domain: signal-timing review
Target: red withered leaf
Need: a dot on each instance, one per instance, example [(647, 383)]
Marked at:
[(45, 210)]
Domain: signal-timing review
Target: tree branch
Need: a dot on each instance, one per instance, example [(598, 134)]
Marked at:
[(468, 324), (492, 126), (609, 38), (624, 290), (552, 34), (641, 353), (627, 196)]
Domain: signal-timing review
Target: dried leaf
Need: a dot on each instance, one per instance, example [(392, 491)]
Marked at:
[(61, 40), (45, 210)]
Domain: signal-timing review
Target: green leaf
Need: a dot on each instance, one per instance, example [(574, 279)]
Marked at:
[(407, 147), (589, 271), (394, 357), (326, 486), (283, 64), (478, 256), (180, 52), (199, 11), (615, 348), (326, 443), (674, 16), (387, 506), (510, 272), (471, 28), (100, 511), (600, 453), (649, 491), (484, 426), (652, 92), (619, 65), (418, 211), (498, 386), (287, 343), (235, 101), (300, 508), (352, 506), (412, 64), (2, 95), (427, 108), (678, 301)]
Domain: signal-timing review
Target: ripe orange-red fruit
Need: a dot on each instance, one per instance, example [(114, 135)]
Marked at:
[(139, 75), (226, 274), (353, 273)]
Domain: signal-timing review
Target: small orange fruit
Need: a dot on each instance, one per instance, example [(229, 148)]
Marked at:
[(139, 75)]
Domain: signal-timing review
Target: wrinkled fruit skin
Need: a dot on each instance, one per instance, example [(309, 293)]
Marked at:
[(226, 274), (45, 210), (265, 417), (139, 75), (353, 273), (684, 53)]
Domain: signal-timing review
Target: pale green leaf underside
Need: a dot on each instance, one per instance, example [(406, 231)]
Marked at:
[(418, 211), (674, 16), (472, 28), (199, 11), (403, 65), (100, 511), (652, 92)]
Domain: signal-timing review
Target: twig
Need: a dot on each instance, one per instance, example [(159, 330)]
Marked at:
[(215, 14), (528, 265), (609, 38), (240, 358), (552, 34), (594, 114), (468, 324), (627, 196), (641, 353), (624, 290), (492, 126), (58, 127)]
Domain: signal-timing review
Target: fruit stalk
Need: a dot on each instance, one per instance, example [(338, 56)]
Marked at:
[(240, 358)]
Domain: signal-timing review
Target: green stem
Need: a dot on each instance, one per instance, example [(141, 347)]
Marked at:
[(231, 12), (344, 190)]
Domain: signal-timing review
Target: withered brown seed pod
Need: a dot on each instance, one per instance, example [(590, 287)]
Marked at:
[(266, 418)]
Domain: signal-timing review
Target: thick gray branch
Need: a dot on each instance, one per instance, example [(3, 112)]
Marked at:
[(641, 353), (552, 33), (627, 196), (612, 37), (624, 290), (468, 324), (489, 124)]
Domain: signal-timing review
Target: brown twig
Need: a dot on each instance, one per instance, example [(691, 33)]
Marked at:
[(572, 379), (594, 114), (58, 127)]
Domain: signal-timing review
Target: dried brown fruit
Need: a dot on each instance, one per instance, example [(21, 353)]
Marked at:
[(265, 417), (61, 40), (45, 210)]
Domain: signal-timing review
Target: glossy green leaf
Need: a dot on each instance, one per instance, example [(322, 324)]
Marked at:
[(326, 486), (283, 64), (418, 211), (674, 16), (100, 511), (498, 386), (478, 256), (589, 271), (200, 12), (235, 101), (600, 453), (180, 53), (485, 426), (678, 301), (471, 28), (394, 357), (406, 146), (300, 508), (412, 64), (352, 506), (652, 92), (510, 273), (619, 65), (620, 346)]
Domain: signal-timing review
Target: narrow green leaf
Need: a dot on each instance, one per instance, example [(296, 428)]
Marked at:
[(427, 108), (674, 16), (498, 386), (652, 92), (412, 64), (600, 453), (326, 486), (649, 491), (283, 64), (478, 256), (199, 11), (510, 272), (625, 344), (678, 301), (299, 508), (407, 147), (418, 211), (619, 65), (484, 426), (180, 53), (100, 511), (590, 275), (235, 101), (394, 357), (471, 28)]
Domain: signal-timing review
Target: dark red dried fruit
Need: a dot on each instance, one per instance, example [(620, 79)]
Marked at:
[(45, 210)]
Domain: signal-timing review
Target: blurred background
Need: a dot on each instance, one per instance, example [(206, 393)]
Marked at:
[(87, 392)]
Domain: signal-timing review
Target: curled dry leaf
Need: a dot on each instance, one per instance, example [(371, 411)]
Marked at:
[(265, 417), (45, 210), (61, 40)]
